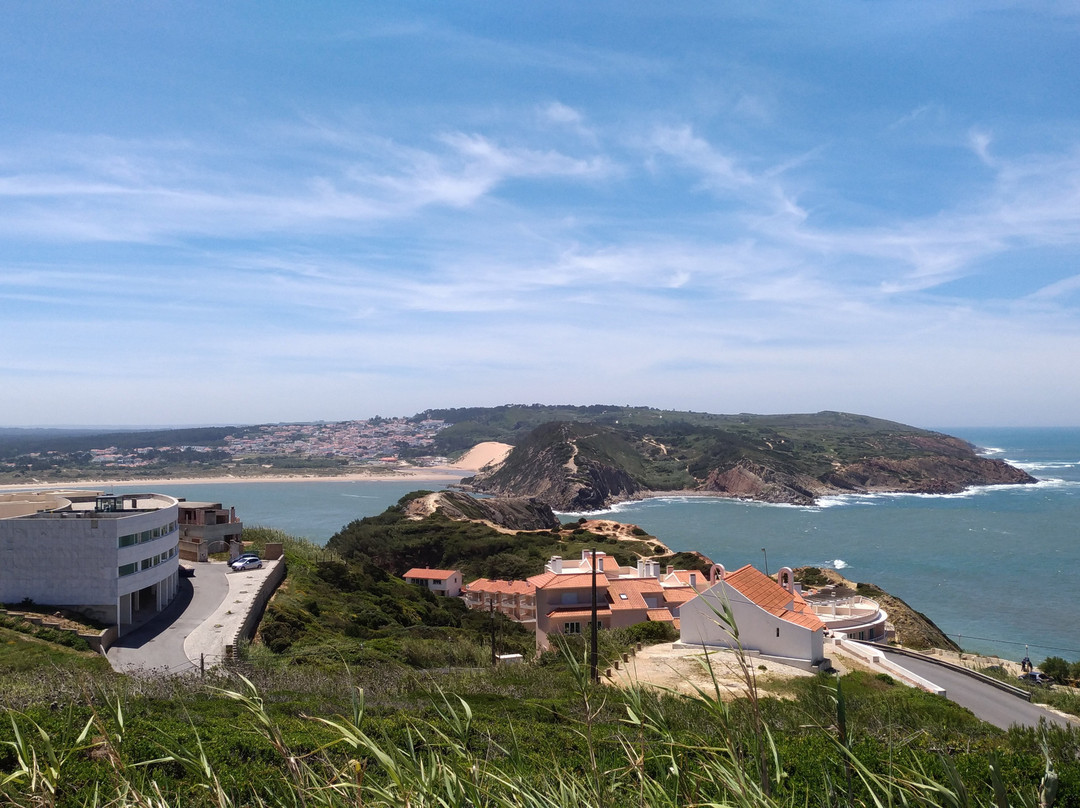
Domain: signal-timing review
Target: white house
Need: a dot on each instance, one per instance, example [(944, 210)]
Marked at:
[(108, 557), (441, 582), (771, 619)]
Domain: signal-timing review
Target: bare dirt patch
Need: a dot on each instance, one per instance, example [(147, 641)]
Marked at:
[(684, 670)]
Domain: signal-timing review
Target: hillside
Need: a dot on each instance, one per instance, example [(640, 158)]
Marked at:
[(598, 458)]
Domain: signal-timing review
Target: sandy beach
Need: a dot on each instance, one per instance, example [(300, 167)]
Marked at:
[(480, 456)]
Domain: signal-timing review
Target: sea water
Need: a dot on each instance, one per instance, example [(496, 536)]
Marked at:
[(994, 567)]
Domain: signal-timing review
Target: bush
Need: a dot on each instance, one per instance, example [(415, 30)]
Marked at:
[(1056, 667)]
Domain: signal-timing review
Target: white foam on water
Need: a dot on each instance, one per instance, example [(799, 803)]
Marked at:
[(839, 564), (1046, 465)]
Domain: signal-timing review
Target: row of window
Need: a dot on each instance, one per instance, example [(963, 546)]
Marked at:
[(575, 628), (146, 563), (147, 535)]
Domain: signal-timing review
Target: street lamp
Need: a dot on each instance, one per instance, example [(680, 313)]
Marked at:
[(766, 560)]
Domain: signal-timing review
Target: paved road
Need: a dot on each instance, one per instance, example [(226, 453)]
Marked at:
[(159, 644), (987, 702)]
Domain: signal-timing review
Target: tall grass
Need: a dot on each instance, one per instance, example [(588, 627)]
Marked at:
[(444, 757)]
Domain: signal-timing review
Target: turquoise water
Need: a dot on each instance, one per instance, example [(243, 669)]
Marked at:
[(993, 566)]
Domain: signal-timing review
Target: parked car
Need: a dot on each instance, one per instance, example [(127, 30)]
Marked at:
[(244, 556), (250, 563), (1036, 678)]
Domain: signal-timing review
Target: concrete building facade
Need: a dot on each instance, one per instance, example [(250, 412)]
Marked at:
[(207, 527), (108, 557)]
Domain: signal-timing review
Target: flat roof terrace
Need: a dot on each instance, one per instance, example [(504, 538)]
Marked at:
[(81, 504)]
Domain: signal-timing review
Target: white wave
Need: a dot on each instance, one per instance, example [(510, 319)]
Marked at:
[(989, 450), (1046, 465), (839, 564), (830, 501)]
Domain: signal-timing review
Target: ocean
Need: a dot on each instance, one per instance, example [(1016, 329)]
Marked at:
[(994, 567)]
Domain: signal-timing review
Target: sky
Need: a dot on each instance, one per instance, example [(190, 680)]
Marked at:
[(250, 212)]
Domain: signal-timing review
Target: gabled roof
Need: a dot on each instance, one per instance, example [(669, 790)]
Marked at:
[(429, 575), (760, 589), (676, 596), (501, 587), (627, 593), (551, 580)]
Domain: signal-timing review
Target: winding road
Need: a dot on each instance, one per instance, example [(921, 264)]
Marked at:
[(987, 702)]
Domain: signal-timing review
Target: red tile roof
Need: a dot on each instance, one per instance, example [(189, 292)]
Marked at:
[(759, 588), (579, 614), (429, 575), (660, 616), (551, 580), (633, 590), (501, 587)]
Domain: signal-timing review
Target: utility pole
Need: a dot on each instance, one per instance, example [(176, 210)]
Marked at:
[(491, 603), (766, 560), (594, 670)]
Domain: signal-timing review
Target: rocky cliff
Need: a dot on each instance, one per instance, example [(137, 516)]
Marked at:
[(507, 513), (583, 466)]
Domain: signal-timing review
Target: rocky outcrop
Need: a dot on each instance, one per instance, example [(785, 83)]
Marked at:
[(925, 475), (749, 480), (510, 513)]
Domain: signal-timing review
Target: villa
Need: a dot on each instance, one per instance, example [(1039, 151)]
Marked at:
[(441, 582), (559, 600)]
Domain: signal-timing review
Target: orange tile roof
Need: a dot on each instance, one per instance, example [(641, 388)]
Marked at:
[(633, 591), (682, 578), (660, 616), (679, 595), (579, 614), (551, 580), (759, 588), (430, 575), (494, 587)]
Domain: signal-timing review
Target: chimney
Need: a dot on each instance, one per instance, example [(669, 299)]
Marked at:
[(599, 562), (556, 564), (693, 579), (670, 569)]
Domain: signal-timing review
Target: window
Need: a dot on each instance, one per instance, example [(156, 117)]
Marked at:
[(571, 628), (623, 596), (147, 563), (130, 539), (128, 569)]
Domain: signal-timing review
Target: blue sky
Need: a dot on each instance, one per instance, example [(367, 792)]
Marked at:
[(252, 212)]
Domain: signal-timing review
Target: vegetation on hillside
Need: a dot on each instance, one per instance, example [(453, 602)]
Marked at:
[(602, 455), (409, 712), (528, 735), (347, 602)]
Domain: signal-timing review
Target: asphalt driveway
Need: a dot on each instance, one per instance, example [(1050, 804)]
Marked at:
[(159, 644)]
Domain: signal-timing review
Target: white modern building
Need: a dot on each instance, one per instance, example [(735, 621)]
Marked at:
[(108, 557)]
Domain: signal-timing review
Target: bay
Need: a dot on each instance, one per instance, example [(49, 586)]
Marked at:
[(993, 567)]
